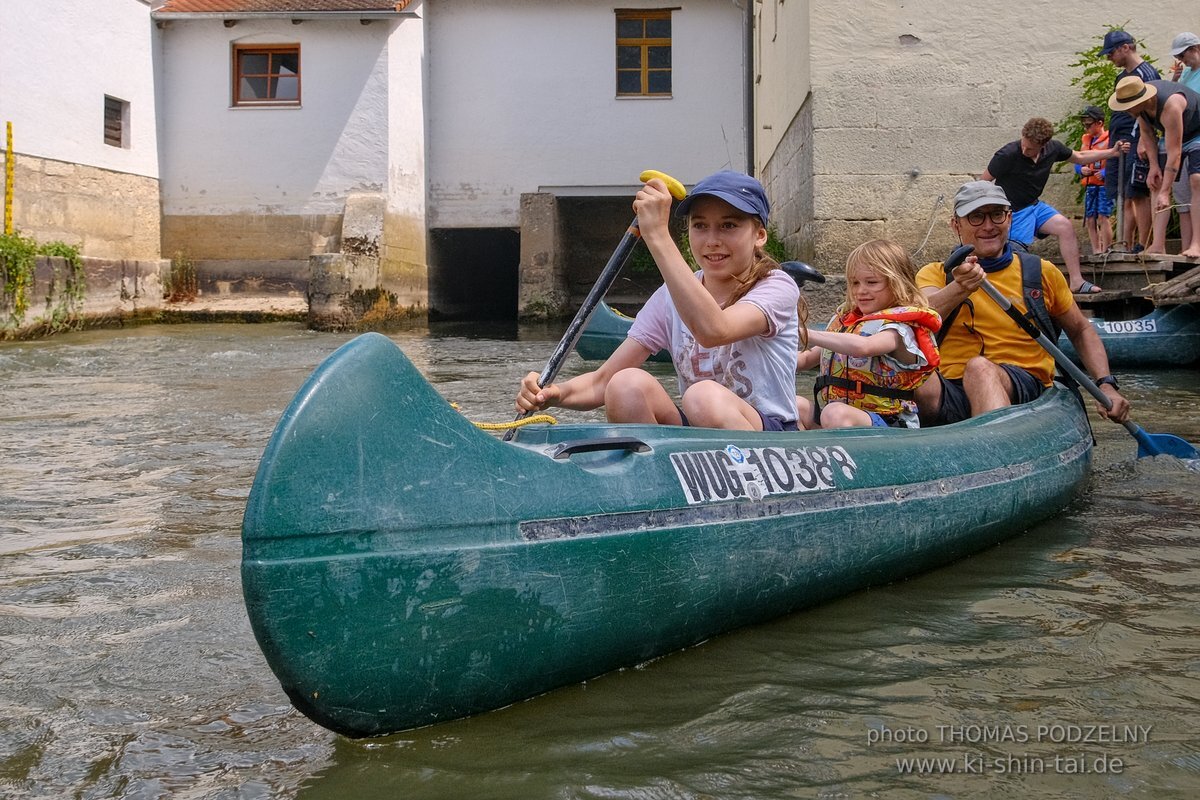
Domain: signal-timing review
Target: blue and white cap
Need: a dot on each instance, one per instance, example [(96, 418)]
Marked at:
[(738, 189)]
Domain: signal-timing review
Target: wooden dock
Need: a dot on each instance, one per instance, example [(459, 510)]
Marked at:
[(1159, 278)]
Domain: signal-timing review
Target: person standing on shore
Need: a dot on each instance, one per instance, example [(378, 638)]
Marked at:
[(1121, 49), (1186, 50), (1173, 110), (1097, 207)]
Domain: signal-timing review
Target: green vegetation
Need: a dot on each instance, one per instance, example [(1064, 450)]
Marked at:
[(64, 295), (181, 284), (18, 260)]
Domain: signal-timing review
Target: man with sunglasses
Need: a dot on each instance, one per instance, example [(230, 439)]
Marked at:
[(987, 361), (1021, 169)]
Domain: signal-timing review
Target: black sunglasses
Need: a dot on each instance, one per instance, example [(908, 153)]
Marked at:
[(996, 215)]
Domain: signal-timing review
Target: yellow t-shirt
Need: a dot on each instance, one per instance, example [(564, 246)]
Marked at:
[(983, 329)]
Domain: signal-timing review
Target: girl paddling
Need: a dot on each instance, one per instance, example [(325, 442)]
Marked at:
[(732, 328)]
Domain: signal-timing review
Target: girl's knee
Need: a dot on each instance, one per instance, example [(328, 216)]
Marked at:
[(632, 380), (702, 395), (841, 415)]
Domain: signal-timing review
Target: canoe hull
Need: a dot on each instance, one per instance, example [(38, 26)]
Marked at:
[(401, 568), (1167, 336)]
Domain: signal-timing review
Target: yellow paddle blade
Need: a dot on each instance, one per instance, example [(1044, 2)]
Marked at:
[(673, 186)]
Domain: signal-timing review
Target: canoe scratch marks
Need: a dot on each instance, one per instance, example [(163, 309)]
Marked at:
[(431, 440)]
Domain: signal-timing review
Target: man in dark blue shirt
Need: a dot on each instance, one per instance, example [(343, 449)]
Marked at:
[(1121, 50)]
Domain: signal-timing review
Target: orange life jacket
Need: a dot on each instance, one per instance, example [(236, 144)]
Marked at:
[(879, 388), (1090, 142)]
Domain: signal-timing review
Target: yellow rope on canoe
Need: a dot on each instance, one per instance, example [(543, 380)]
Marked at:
[(504, 426)]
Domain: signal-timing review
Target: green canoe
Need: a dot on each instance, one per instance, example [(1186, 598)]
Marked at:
[(401, 567)]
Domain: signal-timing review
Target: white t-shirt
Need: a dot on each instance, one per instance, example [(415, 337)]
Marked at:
[(761, 370)]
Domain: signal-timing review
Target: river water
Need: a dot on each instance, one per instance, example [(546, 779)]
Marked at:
[(1064, 663)]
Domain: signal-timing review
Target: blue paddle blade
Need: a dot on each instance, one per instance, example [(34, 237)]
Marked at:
[(1162, 444)]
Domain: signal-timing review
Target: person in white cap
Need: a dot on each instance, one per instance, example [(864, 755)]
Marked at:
[(1186, 50), (1173, 110)]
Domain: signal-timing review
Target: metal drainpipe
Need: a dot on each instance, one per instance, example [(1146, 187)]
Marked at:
[(748, 31)]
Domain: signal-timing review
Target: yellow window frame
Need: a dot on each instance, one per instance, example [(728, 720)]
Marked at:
[(644, 43)]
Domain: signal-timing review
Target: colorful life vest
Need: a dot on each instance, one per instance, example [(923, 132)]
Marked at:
[(880, 387), (1089, 142)]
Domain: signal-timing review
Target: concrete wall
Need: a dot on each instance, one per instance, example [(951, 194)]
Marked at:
[(403, 252), (57, 63), (114, 289), (909, 99), (522, 99)]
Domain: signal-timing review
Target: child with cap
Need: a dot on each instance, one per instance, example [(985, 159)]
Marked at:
[(1097, 206), (1128, 180), (732, 329)]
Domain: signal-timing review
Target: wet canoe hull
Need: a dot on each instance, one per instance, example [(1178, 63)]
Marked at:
[(401, 568), (1167, 336)]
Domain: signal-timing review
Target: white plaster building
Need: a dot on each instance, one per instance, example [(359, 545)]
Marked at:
[(77, 83)]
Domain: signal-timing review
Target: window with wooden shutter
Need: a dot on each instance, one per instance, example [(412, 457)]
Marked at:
[(116, 120)]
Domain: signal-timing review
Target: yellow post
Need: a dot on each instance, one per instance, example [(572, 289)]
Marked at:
[(8, 182)]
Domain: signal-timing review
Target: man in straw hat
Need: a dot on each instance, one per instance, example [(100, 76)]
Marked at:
[(1173, 110), (987, 361)]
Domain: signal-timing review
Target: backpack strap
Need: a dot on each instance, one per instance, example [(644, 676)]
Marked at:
[(1034, 294)]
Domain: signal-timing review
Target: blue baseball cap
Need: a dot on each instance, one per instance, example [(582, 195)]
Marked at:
[(738, 189), (1113, 40)]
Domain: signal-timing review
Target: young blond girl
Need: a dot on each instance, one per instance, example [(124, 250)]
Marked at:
[(732, 328), (877, 349)]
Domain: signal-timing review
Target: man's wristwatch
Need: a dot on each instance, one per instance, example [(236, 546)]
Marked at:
[(1110, 380)]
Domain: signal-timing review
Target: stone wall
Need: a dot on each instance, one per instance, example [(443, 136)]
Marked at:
[(106, 214), (113, 289), (403, 257)]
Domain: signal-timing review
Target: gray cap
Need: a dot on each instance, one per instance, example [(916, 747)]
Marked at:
[(977, 194), (1183, 41)]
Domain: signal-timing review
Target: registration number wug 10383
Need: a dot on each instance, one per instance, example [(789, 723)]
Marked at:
[(756, 472)]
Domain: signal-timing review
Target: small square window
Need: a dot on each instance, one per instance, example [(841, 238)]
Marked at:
[(266, 75), (644, 53), (116, 122)]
